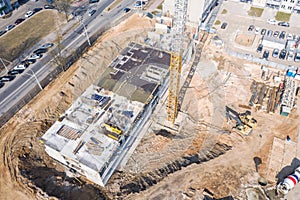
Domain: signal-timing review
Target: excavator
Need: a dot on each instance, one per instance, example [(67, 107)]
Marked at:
[(244, 121)]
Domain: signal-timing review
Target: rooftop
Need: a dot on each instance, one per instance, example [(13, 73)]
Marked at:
[(136, 72), (85, 131)]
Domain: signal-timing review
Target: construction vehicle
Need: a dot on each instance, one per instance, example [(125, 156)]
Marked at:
[(113, 132), (244, 121), (289, 182)]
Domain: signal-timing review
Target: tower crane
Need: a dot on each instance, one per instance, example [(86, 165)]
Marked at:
[(176, 57)]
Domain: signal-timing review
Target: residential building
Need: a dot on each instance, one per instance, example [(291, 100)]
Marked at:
[(197, 11), (5, 7)]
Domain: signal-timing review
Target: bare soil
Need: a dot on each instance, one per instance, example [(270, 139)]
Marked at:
[(245, 39), (27, 172), (203, 154)]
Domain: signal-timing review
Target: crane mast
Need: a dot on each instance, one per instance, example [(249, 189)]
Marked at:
[(176, 57)]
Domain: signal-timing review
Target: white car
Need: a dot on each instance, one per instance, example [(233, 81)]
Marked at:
[(29, 14), (290, 56), (297, 57), (46, 46), (20, 67), (257, 31), (272, 21), (289, 36), (35, 56)]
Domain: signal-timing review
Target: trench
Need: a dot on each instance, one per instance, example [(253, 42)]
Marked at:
[(144, 181)]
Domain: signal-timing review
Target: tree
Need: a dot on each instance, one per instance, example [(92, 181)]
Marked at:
[(58, 58), (63, 6)]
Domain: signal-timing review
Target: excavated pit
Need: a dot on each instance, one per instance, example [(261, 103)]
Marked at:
[(141, 182)]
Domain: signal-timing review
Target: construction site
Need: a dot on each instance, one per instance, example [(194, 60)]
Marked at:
[(104, 129)]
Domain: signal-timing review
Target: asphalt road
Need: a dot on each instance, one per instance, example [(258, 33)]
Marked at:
[(15, 90)]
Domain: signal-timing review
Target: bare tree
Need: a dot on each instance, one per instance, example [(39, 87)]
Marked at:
[(58, 58), (63, 6)]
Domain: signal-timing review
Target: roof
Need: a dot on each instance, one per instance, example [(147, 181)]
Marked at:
[(136, 72), (81, 135)]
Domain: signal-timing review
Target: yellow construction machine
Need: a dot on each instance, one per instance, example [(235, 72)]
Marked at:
[(244, 121)]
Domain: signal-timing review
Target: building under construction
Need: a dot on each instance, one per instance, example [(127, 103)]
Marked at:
[(98, 133)]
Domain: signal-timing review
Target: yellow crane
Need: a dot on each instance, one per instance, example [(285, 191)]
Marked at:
[(176, 57)]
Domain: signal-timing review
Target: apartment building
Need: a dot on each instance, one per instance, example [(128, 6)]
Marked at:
[(5, 7), (197, 11)]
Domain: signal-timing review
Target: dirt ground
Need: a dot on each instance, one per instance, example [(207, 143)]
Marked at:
[(202, 155), (244, 39), (22, 154)]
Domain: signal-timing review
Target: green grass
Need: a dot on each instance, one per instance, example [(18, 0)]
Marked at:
[(217, 22), (18, 40), (281, 16), (224, 11), (255, 12), (159, 6)]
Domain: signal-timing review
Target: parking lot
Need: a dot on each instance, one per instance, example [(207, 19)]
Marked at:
[(237, 37)]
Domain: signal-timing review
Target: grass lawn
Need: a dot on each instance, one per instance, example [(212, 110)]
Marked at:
[(281, 16), (159, 6), (256, 12), (25, 35), (217, 22), (224, 11)]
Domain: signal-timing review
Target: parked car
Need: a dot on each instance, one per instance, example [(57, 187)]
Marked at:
[(290, 56), (92, 12), (272, 21), (282, 35), (21, 66), (1, 84), (263, 31), (286, 24), (40, 51), (29, 14), (276, 34), (2, 32), (289, 36), (270, 33), (266, 54), (46, 46), (19, 21), (257, 30), (296, 37), (126, 10), (7, 78), (15, 71), (259, 48), (29, 61), (47, 6), (297, 57), (251, 27), (224, 25), (93, 1), (282, 54), (275, 53), (35, 10), (35, 56), (9, 27)]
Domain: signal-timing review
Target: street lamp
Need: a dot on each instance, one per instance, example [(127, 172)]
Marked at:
[(37, 80), (86, 33), (4, 64)]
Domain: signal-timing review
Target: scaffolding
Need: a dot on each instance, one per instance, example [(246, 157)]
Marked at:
[(176, 58)]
